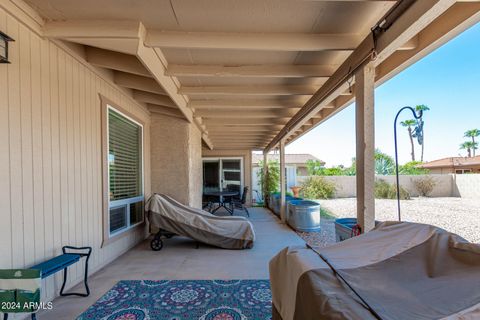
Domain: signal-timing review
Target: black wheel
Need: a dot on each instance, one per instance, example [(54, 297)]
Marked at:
[(156, 244)]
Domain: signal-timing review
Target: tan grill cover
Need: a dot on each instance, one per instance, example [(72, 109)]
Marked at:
[(402, 270), (168, 214)]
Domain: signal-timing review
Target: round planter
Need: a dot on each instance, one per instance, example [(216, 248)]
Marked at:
[(304, 215)]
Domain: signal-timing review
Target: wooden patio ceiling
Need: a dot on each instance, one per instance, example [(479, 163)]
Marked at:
[(241, 69)]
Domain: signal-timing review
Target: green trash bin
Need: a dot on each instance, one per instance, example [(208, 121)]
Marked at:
[(19, 290)]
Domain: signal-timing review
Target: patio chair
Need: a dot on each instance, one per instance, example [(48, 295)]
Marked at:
[(239, 203), (208, 202)]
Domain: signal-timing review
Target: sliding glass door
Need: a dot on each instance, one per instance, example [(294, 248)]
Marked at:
[(211, 175), (223, 174)]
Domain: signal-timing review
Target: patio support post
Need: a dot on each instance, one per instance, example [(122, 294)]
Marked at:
[(265, 194), (365, 145), (282, 181)]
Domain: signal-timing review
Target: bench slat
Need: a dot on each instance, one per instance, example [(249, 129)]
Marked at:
[(56, 264)]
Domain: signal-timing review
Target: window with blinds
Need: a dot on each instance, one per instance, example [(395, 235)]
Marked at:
[(125, 168)]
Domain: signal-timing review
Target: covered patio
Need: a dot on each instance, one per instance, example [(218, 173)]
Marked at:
[(104, 105), (181, 260)]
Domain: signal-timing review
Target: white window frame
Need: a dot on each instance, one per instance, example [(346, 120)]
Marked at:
[(123, 202), (242, 169)]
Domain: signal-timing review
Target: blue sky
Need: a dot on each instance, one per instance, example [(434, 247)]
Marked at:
[(447, 80)]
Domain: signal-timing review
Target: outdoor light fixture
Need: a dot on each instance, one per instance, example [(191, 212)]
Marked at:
[(4, 40)]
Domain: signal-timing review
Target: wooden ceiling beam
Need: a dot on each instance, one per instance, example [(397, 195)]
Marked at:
[(165, 111), (250, 114), (240, 147), (152, 98), (126, 36), (245, 133), (252, 41), (233, 139), (275, 103), (116, 35), (106, 29), (115, 61), (133, 81), (249, 90), (407, 24), (246, 122), (261, 71), (216, 128), (156, 64), (155, 61), (240, 143), (459, 17), (240, 139)]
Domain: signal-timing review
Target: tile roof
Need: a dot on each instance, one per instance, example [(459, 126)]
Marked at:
[(452, 162)]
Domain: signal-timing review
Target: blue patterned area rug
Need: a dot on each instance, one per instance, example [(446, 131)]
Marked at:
[(184, 300)]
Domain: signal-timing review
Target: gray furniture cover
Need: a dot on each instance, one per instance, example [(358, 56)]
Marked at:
[(401, 270), (166, 213)]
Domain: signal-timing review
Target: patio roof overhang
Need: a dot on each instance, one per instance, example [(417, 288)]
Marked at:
[(250, 73)]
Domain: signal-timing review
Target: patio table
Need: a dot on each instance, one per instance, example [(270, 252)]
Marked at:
[(221, 199)]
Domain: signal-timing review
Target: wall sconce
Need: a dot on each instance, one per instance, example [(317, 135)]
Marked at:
[(4, 40)]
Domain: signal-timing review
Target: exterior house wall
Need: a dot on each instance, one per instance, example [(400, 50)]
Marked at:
[(247, 164), (176, 159), (441, 170), (51, 153), (302, 171)]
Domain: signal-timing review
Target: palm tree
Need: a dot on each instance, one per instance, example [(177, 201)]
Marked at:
[(423, 108), (472, 134), (409, 124), (469, 146)]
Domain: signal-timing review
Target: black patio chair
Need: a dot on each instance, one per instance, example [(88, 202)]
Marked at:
[(239, 203), (208, 202)]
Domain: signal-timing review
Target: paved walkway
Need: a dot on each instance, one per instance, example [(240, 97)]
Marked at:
[(180, 260)]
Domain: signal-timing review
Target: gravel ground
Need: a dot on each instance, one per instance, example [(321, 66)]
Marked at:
[(322, 238), (457, 215)]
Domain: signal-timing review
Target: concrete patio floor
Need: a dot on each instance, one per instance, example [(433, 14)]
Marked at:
[(179, 259)]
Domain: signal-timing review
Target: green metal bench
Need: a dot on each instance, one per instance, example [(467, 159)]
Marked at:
[(70, 256)]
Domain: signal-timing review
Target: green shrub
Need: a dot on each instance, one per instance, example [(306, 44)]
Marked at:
[(317, 187), (384, 190), (412, 168), (424, 185), (272, 183)]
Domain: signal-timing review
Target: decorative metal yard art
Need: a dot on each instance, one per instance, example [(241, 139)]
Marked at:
[(418, 133)]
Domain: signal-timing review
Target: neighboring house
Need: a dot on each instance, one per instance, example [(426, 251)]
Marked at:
[(457, 165), (295, 165)]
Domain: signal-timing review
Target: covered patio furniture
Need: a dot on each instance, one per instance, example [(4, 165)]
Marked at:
[(166, 214), (397, 271)]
